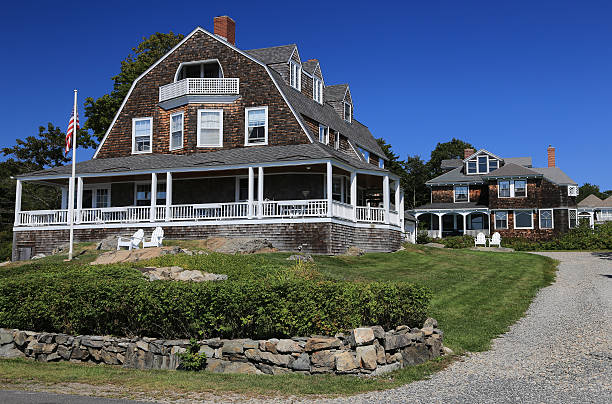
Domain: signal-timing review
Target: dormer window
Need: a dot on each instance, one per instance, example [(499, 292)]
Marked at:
[(317, 90), (323, 134), (493, 164), (295, 75), (347, 112), (471, 167), (482, 164), (381, 163), (199, 69), (364, 153)]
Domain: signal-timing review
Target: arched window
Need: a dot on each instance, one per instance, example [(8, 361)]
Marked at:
[(200, 69)]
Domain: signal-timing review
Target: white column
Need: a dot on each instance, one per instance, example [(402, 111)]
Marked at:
[(251, 191), (153, 196), (329, 188), (464, 223), (80, 199), (260, 191), (439, 225), (401, 210), (398, 208), (18, 191), (168, 195), (454, 221), (386, 197), (70, 199), (354, 194)]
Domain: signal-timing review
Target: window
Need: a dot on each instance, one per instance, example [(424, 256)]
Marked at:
[(381, 163), (210, 127), (572, 190), (503, 189), (317, 90), (295, 75), (364, 153), (243, 192), (143, 194), (199, 69), (573, 218), (501, 220), (471, 167), (520, 188), (102, 198), (337, 183), (482, 164), (523, 219), (176, 131), (323, 134), (256, 126), (462, 193), (347, 112), (142, 134), (546, 219), (493, 164), (337, 140)]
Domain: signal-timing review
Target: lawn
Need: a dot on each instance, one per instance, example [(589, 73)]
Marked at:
[(477, 296)]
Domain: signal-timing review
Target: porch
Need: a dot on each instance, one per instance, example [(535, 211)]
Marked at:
[(440, 224)]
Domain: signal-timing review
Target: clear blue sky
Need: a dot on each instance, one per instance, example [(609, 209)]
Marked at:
[(511, 78)]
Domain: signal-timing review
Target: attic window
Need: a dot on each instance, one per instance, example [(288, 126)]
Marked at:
[(347, 112), (317, 90), (365, 154), (482, 164), (200, 69), (323, 134), (295, 75)]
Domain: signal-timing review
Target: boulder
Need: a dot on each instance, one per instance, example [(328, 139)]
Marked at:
[(221, 366), (10, 351), (20, 338), (430, 322), (288, 346), (380, 353), (354, 251), (92, 342), (300, 363), (320, 343), (367, 357), (386, 369), (301, 257), (110, 242), (64, 352), (38, 256), (232, 347), (322, 359), (240, 245), (275, 359), (415, 355), (54, 357), (345, 362), (379, 332), (362, 336), (392, 341), (142, 254), (268, 346), (6, 336), (447, 351)]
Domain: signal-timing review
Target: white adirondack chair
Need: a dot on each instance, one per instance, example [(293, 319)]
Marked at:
[(480, 240), (131, 243), (156, 238), (495, 240)]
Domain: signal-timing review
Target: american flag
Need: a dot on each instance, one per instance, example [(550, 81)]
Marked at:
[(70, 130)]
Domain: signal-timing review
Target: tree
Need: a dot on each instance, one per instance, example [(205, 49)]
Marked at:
[(417, 173), (449, 150), (100, 112), (587, 189)]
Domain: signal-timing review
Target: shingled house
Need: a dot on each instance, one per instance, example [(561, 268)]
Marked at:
[(595, 210), (212, 140), (487, 193)]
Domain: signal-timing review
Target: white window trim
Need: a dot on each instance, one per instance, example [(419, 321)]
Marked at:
[(134, 151), (455, 193), (510, 182), (298, 72), (246, 127), (317, 89), (337, 141), (350, 115), (569, 222), (182, 130), (512, 193), (514, 217), (94, 188), (467, 165), (136, 183), (220, 144), (381, 164), (361, 150), (495, 220), (552, 219), (326, 131), (475, 159)]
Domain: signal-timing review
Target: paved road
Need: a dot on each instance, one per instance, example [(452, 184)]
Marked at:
[(29, 397)]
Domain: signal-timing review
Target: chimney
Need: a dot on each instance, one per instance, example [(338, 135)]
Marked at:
[(225, 28), (467, 153), (551, 156)]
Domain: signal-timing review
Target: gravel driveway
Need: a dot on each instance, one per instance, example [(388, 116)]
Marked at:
[(560, 352)]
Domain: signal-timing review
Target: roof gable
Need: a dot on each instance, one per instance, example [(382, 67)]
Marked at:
[(591, 201), (479, 152), (274, 54)]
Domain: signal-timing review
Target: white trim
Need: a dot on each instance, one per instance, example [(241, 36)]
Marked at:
[(509, 188), (336, 140), (317, 84), (552, 219), (350, 116), (150, 119), (530, 211), (325, 134), (182, 130), (481, 151), (298, 74), (495, 220), (569, 222), (197, 62), (220, 144), (455, 193), (246, 126), (512, 188)]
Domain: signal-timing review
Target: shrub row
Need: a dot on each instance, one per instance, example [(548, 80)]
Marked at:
[(83, 303), (580, 238), (458, 241)]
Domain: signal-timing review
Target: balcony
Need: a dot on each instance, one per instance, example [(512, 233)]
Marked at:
[(199, 86)]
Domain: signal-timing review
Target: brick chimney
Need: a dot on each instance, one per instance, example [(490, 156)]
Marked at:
[(467, 153), (225, 28), (551, 156)]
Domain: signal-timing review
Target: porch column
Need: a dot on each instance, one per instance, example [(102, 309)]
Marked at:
[(79, 198), (439, 225), (386, 197), (251, 192), (401, 210), (396, 189), (70, 217), (464, 223), (329, 189), (354, 194), (18, 190), (168, 195), (260, 191), (153, 196)]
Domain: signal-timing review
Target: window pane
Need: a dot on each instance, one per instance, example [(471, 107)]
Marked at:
[(210, 128), (256, 121), (523, 219), (142, 143), (102, 198), (546, 219), (471, 167), (501, 220), (176, 123), (142, 127), (520, 188), (482, 164), (461, 194), (504, 188), (493, 164)]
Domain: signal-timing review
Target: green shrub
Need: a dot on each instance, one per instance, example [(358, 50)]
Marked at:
[(192, 359), (580, 238), (458, 242), (116, 300), (423, 238)]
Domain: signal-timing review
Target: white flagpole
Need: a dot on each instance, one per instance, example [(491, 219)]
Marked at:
[(72, 184)]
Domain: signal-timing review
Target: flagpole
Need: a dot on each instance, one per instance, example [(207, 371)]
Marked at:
[(72, 184)]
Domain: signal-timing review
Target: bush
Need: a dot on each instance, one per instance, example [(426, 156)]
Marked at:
[(192, 359), (580, 238), (423, 238), (458, 242), (117, 300)]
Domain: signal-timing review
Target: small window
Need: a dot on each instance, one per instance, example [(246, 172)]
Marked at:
[(337, 183), (381, 163), (142, 135), (461, 193), (520, 188), (471, 167), (176, 131), (256, 126), (523, 219), (501, 220), (323, 134), (482, 164), (317, 90), (503, 189), (295, 75), (573, 218), (143, 194), (337, 141), (199, 69), (546, 219), (102, 198), (210, 128), (493, 164), (347, 112), (364, 153)]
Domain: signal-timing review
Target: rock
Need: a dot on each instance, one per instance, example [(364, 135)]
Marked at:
[(111, 358), (20, 338), (300, 363), (38, 348), (142, 345), (275, 359), (232, 348), (367, 357), (208, 351), (250, 344), (91, 342), (214, 343), (435, 245), (79, 354), (54, 357), (300, 257), (63, 339), (253, 355), (142, 254), (269, 346), (401, 328), (391, 342), (434, 343), (322, 359), (38, 256), (380, 353), (10, 351), (64, 352), (95, 353), (176, 273), (195, 276), (320, 343), (6, 336), (386, 369), (220, 366), (242, 245), (447, 351), (430, 322), (345, 362), (362, 336), (354, 251), (109, 243), (392, 358), (415, 355), (287, 346), (379, 332)]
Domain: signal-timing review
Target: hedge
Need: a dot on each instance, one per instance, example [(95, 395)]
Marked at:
[(83, 303), (580, 238)]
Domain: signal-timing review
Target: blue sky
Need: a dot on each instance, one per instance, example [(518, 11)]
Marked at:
[(512, 78)]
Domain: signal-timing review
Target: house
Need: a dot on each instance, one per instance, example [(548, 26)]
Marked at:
[(213, 140), (595, 210), (488, 193)]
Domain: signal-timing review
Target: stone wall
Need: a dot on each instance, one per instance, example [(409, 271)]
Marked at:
[(366, 351)]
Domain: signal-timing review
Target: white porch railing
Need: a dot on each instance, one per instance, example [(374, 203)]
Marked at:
[(297, 208), (207, 211), (128, 214), (369, 214), (204, 86), (393, 217), (603, 216), (342, 210), (42, 217)]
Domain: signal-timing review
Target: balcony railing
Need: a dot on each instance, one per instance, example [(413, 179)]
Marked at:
[(199, 86)]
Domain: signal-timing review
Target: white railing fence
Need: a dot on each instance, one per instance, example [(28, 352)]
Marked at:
[(342, 210), (369, 214), (233, 210), (42, 217), (297, 208), (394, 217), (205, 86)]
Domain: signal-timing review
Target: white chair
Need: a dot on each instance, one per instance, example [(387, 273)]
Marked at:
[(131, 243), (495, 240), (480, 240), (156, 238)]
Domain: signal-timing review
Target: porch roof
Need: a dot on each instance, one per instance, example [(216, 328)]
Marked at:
[(220, 158)]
